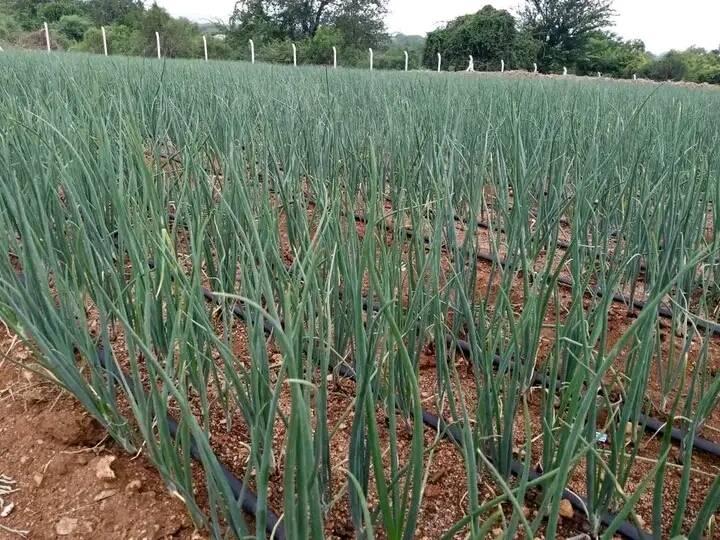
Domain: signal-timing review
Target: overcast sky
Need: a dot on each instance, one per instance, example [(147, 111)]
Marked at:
[(661, 24)]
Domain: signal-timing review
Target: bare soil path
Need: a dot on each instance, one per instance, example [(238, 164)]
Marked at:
[(57, 467)]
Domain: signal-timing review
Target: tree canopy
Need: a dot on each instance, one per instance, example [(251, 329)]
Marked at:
[(356, 24), (610, 55), (490, 35), (562, 27)]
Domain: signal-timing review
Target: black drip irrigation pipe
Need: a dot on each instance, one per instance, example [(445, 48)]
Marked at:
[(245, 496), (626, 529), (650, 424), (619, 298), (664, 311), (248, 499)]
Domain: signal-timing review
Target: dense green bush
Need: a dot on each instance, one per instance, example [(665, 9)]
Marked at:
[(55, 11), (73, 27), (490, 36), (9, 28), (319, 49), (394, 58), (122, 40), (612, 56)]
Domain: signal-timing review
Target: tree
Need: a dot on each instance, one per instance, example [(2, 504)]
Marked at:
[(54, 11), (318, 50), (107, 12), (359, 20), (702, 65), (26, 12), (179, 37), (670, 67), (694, 64), (250, 20), (562, 27), (361, 24), (610, 55), (32, 13), (490, 36), (300, 19)]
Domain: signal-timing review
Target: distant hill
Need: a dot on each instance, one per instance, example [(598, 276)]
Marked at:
[(210, 28), (408, 42)]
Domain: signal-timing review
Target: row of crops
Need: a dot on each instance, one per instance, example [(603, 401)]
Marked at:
[(272, 282)]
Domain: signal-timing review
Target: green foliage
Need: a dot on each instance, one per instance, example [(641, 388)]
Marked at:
[(526, 50), (122, 40), (404, 41), (693, 65), (702, 66), (490, 35), (359, 21), (275, 52), (73, 27), (669, 67), (249, 21), (562, 27), (179, 38), (106, 12), (611, 56), (31, 14), (26, 13), (9, 28), (219, 49), (394, 58), (319, 49), (54, 11)]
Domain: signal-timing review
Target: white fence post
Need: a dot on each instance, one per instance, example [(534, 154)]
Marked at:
[(407, 60), (294, 55), (205, 47), (334, 57), (47, 37), (439, 62), (371, 59), (502, 66), (157, 39), (104, 36), (252, 51), (534, 67)]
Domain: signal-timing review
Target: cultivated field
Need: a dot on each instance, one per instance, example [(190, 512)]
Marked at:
[(338, 304)]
